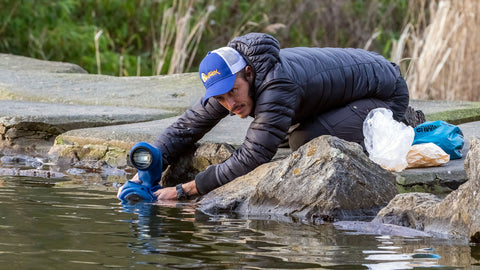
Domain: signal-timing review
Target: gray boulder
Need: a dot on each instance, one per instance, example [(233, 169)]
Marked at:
[(456, 216), (324, 180)]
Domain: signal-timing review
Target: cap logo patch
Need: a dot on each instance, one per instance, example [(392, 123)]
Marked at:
[(205, 77)]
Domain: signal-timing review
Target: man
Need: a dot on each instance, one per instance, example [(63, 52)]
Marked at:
[(316, 90)]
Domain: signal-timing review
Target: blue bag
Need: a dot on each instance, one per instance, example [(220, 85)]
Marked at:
[(447, 136)]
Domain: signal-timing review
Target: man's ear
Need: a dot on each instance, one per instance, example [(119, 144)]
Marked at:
[(249, 74)]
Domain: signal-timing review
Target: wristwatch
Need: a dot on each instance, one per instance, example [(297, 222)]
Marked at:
[(181, 195)]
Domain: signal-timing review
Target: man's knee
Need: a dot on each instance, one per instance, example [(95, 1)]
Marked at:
[(305, 133), (296, 140)]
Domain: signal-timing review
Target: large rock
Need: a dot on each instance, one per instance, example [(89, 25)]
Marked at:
[(456, 216), (324, 180)]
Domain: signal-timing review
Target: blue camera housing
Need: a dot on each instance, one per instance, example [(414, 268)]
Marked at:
[(149, 176)]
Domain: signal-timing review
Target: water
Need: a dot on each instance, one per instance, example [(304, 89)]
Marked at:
[(48, 224)]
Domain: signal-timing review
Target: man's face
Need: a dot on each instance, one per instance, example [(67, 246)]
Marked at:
[(237, 99)]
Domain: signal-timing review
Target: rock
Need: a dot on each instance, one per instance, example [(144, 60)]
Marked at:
[(362, 227), (20, 63), (112, 143), (29, 79), (31, 173), (456, 216), (324, 180), (234, 196), (22, 161), (195, 161), (88, 153), (31, 127), (472, 160), (408, 209)]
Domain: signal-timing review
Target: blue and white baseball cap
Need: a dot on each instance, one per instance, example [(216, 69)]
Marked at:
[(218, 69)]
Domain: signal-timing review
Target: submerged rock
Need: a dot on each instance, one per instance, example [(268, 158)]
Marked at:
[(327, 179), (456, 216), (362, 227), (31, 173)]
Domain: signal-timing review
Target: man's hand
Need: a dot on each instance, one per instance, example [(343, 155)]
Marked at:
[(170, 193)]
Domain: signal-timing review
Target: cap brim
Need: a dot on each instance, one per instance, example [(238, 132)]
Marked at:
[(219, 88)]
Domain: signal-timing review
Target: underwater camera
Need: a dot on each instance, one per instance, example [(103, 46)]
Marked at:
[(147, 159)]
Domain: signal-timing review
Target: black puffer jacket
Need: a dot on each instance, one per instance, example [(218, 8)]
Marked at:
[(290, 85)]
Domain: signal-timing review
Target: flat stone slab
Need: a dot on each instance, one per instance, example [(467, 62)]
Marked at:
[(30, 127), (453, 112), (112, 143), (21, 63), (231, 130), (21, 80), (74, 116), (441, 179)]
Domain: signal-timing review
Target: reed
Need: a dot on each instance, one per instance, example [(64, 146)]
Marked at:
[(97, 51), (179, 37), (441, 50)]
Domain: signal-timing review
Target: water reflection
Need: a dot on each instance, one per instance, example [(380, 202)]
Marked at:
[(189, 239), (226, 241), (49, 224)]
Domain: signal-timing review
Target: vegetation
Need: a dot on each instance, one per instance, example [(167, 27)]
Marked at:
[(152, 37), (441, 46), (149, 37)]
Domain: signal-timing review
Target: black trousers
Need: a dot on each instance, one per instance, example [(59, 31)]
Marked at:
[(347, 122)]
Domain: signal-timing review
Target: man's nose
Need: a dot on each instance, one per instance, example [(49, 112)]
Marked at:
[(230, 103)]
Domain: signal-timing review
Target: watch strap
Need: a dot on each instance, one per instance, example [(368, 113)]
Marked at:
[(181, 194)]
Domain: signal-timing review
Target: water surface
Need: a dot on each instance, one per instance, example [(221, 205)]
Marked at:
[(53, 224)]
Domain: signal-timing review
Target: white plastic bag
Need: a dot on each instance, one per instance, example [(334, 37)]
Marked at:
[(387, 141)]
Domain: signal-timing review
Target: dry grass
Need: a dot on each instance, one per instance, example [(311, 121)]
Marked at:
[(97, 51), (180, 34), (440, 50)]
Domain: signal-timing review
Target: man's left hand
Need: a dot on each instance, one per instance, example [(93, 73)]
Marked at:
[(168, 193)]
